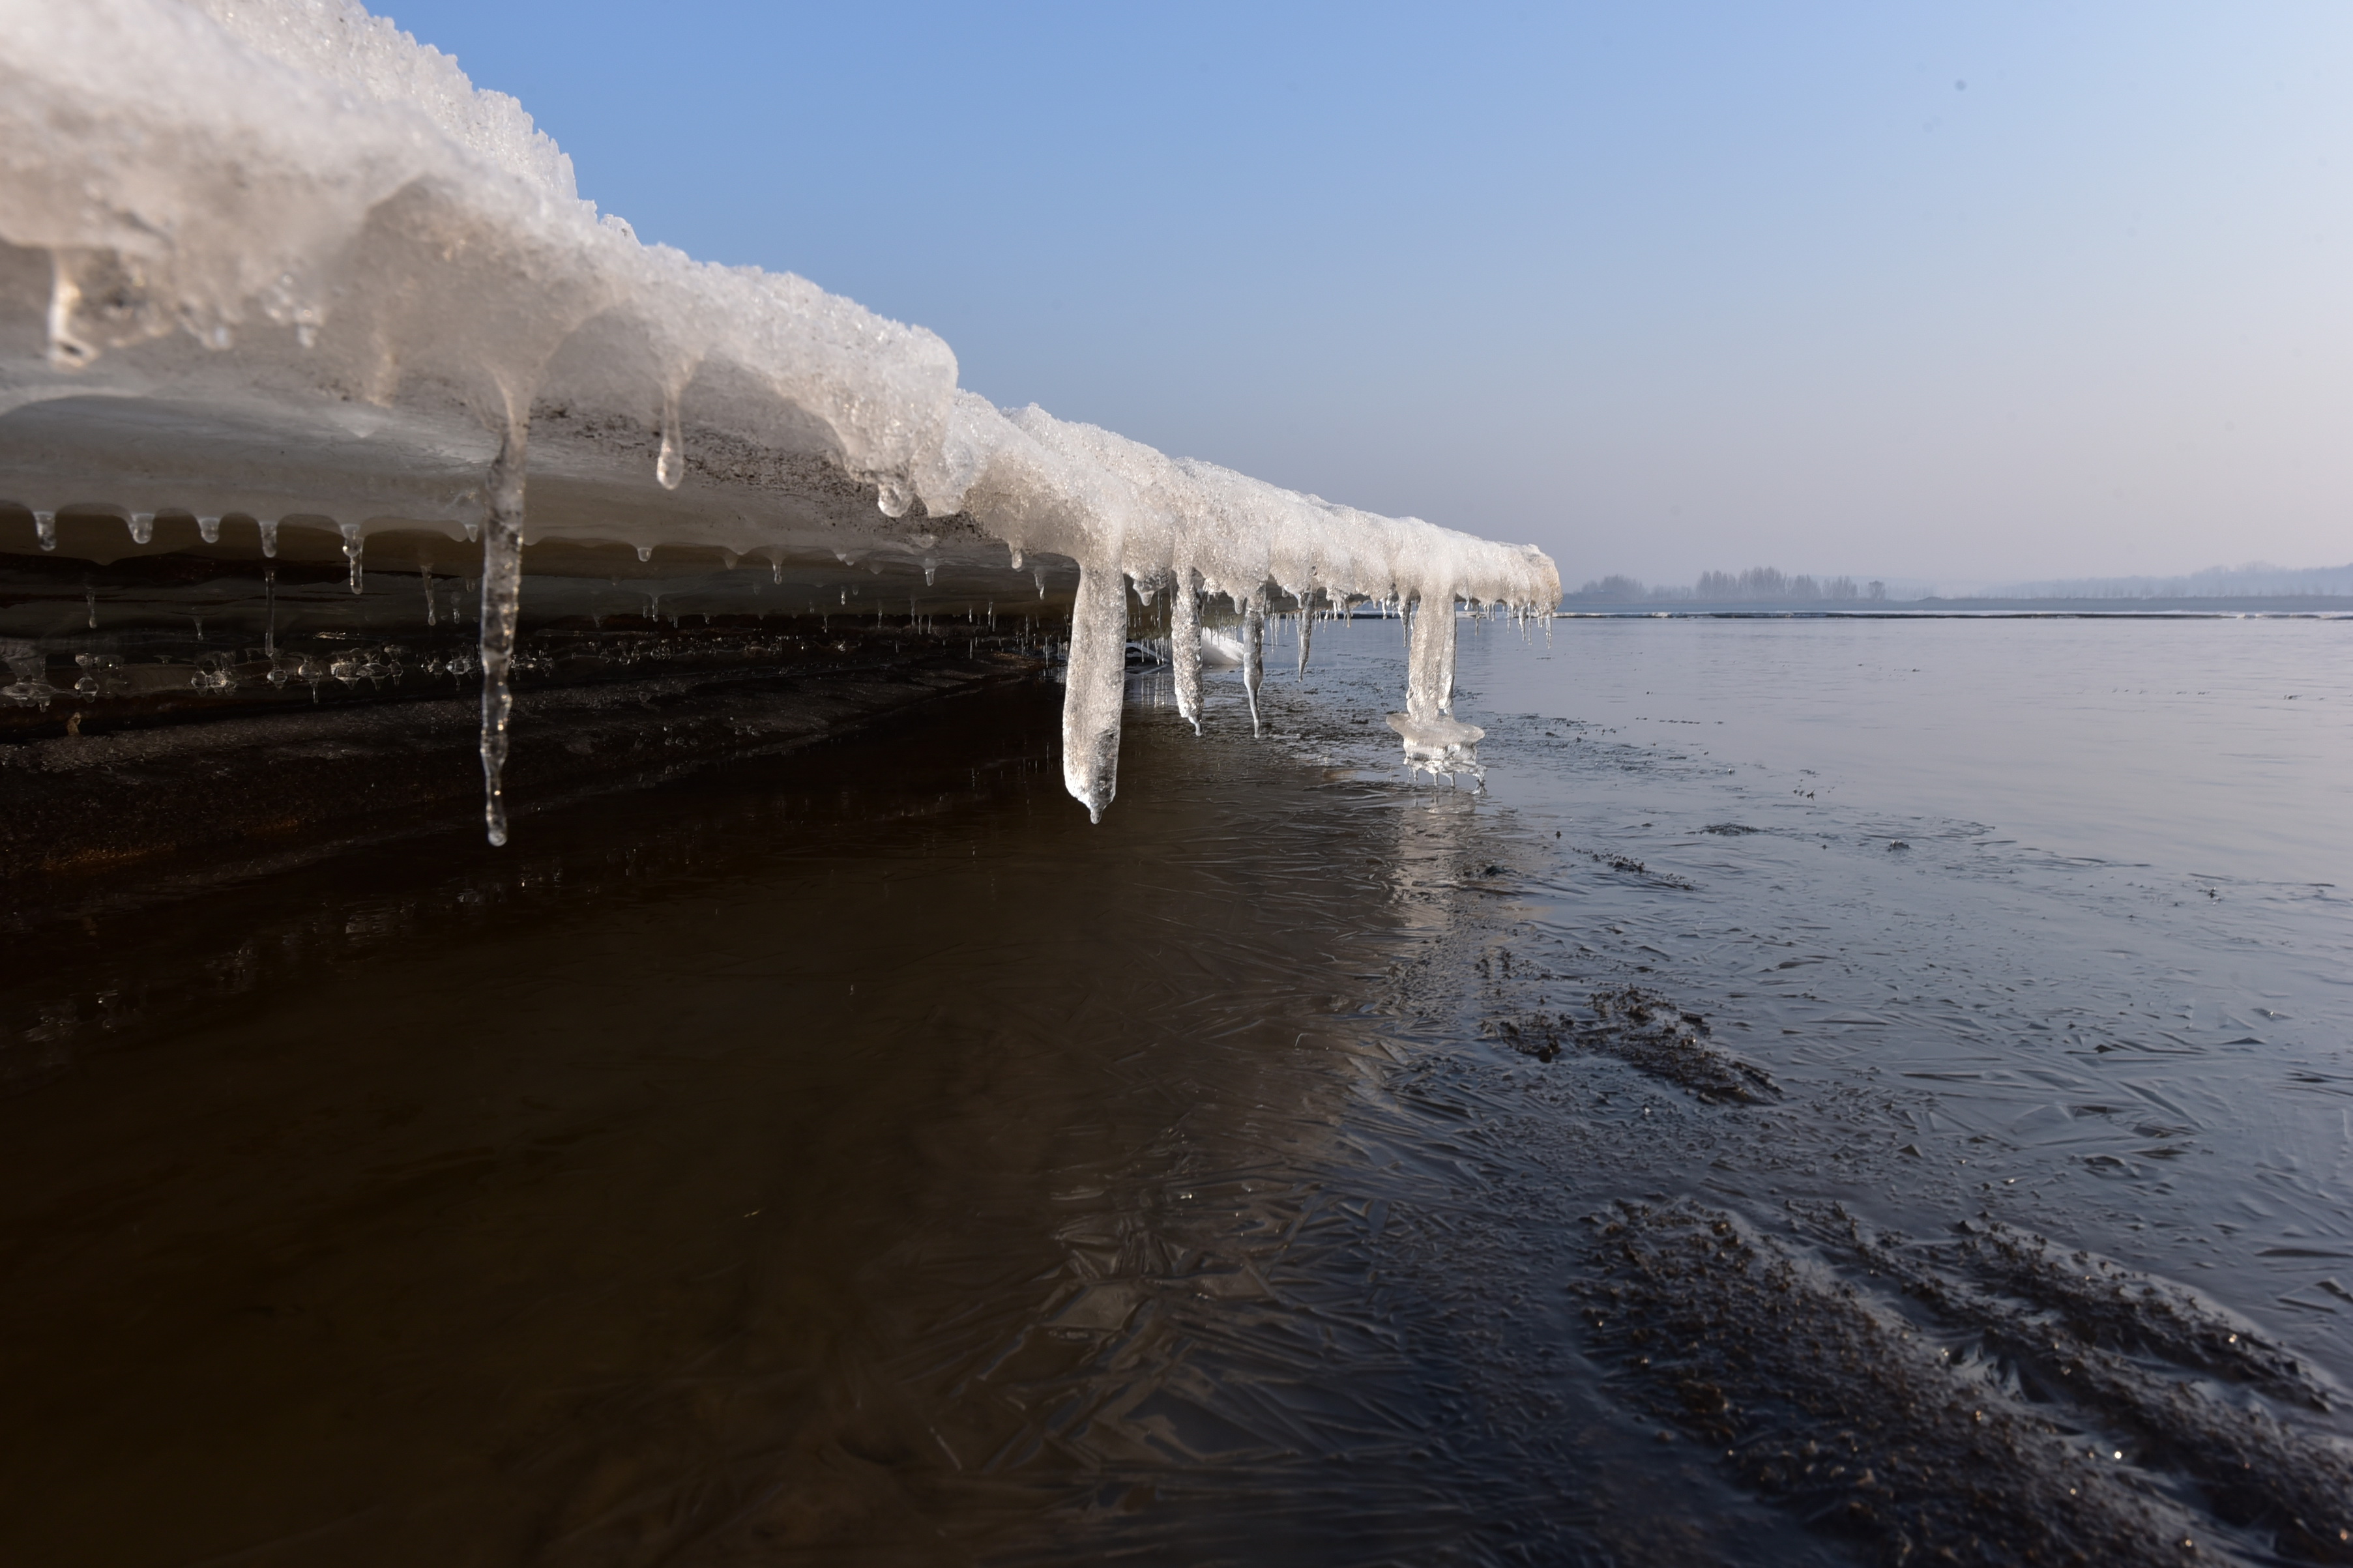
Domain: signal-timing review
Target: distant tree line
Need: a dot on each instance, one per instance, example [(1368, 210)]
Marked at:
[(2257, 579), (1757, 586), (1767, 585)]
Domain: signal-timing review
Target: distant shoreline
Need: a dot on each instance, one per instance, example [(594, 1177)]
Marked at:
[(2298, 606)]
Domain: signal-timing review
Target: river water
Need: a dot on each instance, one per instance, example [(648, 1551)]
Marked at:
[(1848, 1091)]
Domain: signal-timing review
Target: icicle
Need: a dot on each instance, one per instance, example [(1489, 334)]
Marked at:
[(353, 545), (776, 565), (45, 529), (502, 600), (1254, 655), (1435, 742), (473, 533), (1306, 630), (270, 537), (432, 611), (1017, 556), (1446, 640), (669, 466), (142, 527), (89, 597), (208, 530), (892, 496), (931, 570), (645, 553), (1041, 573), (1185, 643), (1095, 685)]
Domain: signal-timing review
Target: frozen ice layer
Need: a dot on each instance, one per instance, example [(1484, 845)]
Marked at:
[(1440, 745), (277, 268)]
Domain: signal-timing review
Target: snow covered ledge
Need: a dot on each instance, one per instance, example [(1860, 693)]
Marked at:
[(273, 259)]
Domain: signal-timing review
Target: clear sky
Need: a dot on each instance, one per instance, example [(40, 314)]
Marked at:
[(1958, 291)]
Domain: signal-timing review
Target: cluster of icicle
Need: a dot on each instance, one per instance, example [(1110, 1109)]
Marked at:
[(1128, 514), (334, 213)]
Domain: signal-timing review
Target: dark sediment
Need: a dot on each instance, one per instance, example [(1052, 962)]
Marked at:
[(2011, 1425), (1648, 1032), (1827, 1403), (2079, 1329)]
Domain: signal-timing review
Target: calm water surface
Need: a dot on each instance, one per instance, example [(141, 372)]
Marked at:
[(859, 1158)]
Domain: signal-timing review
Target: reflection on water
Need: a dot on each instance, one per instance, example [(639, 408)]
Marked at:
[(862, 1159)]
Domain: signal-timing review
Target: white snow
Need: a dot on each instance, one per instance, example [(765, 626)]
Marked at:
[(273, 259)]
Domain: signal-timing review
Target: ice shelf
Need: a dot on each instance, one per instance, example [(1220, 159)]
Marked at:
[(276, 264)]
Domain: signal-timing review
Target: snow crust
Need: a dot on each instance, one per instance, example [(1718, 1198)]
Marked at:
[(275, 259)]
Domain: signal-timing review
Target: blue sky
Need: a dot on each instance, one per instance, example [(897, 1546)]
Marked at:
[(1948, 292)]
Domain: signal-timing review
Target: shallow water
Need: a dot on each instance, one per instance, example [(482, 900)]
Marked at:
[(860, 1158)]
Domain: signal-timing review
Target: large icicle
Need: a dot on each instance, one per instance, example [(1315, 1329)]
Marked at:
[(1306, 630), (1097, 685), (1435, 741), (1185, 643), (502, 600), (1444, 681), (1254, 654)]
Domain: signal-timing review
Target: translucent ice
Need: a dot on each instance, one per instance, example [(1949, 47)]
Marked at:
[(1254, 655), (501, 599), (1184, 645), (1096, 686)]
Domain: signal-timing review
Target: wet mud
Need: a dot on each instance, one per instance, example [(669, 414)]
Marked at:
[(1839, 1410), (2068, 1427), (1645, 1030)]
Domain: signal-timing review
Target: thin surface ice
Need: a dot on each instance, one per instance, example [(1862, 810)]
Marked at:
[(321, 285)]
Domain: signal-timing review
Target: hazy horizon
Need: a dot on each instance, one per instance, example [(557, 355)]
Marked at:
[(1958, 295), (2249, 579)]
